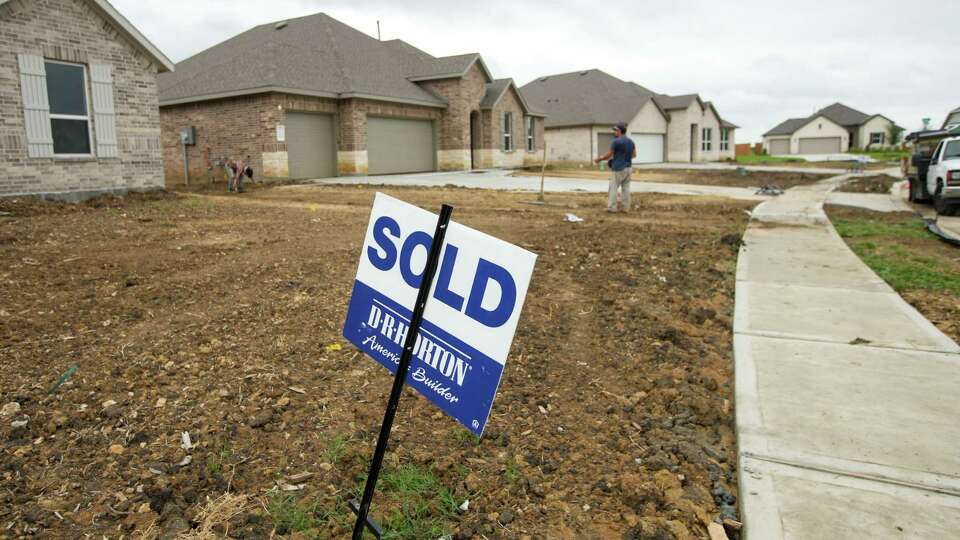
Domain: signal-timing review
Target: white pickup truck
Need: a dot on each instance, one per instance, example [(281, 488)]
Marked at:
[(943, 176)]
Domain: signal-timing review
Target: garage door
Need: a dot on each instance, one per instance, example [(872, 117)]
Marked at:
[(820, 145), (311, 145), (649, 147), (779, 147), (398, 145)]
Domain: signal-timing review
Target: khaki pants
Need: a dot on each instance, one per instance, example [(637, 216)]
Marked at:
[(620, 182)]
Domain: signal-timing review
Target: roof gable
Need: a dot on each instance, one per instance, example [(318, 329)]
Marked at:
[(671, 103), (497, 89), (843, 115), (123, 26)]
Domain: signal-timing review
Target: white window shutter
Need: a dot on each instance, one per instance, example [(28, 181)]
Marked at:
[(104, 115), (36, 106)]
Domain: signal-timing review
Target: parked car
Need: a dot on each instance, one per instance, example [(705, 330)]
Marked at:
[(943, 176)]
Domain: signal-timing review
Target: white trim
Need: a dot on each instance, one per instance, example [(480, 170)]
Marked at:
[(88, 118), (131, 32)]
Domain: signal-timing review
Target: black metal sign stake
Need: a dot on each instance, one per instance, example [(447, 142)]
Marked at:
[(433, 259)]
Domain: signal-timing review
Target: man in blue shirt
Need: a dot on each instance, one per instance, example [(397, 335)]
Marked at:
[(622, 151)]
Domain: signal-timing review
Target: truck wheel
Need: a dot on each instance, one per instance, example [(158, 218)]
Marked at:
[(939, 203)]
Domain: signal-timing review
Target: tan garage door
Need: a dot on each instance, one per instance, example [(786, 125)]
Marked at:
[(311, 145), (400, 145), (820, 145), (779, 147)]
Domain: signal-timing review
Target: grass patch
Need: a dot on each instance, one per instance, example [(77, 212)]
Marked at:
[(753, 159), (882, 155), (863, 228), (336, 448), (217, 459), (899, 250), (412, 503), (905, 271)]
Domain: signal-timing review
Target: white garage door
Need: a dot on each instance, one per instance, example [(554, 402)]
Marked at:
[(779, 147), (820, 145), (399, 145), (649, 147)]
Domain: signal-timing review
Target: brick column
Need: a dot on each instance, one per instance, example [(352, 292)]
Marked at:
[(352, 150)]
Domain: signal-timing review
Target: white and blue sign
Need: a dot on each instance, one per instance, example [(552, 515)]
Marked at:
[(471, 314)]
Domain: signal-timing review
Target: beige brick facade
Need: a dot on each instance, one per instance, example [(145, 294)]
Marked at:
[(246, 126), (71, 31)]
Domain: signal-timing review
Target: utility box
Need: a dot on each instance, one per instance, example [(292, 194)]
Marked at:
[(188, 136)]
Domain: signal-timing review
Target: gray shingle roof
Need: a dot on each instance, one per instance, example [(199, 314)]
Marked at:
[(788, 126), (843, 115), (494, 91), (953, 117), (313, 55), (669, 103), (589, 97), (728, 125)]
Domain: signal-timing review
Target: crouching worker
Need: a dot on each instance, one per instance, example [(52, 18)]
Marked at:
[(621, 154)]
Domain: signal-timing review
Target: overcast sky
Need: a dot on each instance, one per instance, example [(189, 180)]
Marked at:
[(760, 61)]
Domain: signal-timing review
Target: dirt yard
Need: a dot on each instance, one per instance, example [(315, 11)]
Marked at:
[(752, 179), (877, 183), (919, 266), (220, 317)]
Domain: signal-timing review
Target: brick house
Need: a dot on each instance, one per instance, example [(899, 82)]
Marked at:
[(312, 97), (582, 107), (79, 109)]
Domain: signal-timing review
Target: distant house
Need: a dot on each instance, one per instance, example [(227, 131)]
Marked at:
[(312, 97), (78, 101), (952, 119), (583, 106), (831, 130)]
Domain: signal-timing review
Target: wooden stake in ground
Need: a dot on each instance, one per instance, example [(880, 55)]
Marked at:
[(543, 168)]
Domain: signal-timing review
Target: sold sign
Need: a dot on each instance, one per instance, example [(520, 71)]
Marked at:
[(470, 317)]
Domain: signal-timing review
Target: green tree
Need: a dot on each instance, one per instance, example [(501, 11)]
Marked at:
[(894, 133)]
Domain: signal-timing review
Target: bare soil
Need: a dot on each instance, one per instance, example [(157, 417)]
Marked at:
[(220, 316), (752, 179), (879, 183)]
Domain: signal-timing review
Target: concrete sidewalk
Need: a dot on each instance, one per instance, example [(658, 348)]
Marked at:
[(503, 180), (847, 399), (723, 166)]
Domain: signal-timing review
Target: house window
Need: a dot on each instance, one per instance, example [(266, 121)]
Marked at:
[(724, 140), (531, 134), (69, 113), (876, 138), (507, 125), (706, 139)]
